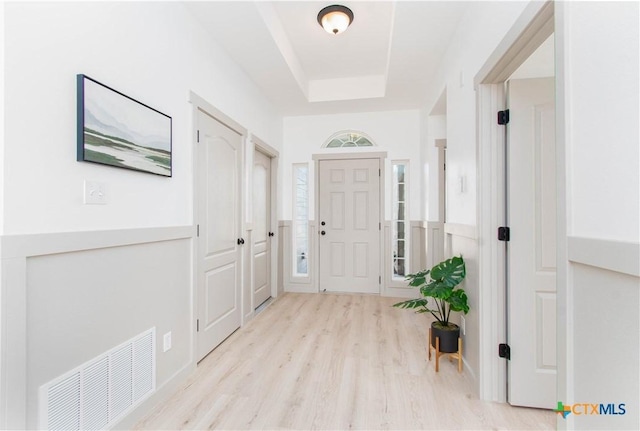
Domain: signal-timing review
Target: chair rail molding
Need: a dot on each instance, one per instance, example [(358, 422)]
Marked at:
[(617, 256)]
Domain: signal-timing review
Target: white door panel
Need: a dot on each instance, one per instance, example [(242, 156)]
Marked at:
[(532, 248), (220, 295), (350, 208), (218, 276), (261, 228)]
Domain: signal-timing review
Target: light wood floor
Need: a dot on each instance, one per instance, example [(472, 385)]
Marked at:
[(339, 362)]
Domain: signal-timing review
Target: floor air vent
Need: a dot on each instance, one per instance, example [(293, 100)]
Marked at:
[(98, 393)]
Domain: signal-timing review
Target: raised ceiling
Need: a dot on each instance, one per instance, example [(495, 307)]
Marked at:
[(383, 61)]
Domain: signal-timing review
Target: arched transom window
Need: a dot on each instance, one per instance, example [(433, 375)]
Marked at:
[(348, 139)]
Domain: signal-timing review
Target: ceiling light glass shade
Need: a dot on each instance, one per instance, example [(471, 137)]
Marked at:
[(335, 19)]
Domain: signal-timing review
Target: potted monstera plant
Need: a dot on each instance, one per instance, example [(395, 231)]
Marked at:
[(440, 283)]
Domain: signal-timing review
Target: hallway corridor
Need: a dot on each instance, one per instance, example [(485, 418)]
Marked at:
[(331, 361)]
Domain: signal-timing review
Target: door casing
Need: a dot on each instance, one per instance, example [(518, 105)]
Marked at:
[(533, 27), (381, 156)]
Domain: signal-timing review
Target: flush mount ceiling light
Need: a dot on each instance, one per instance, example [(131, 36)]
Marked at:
[(335, 19)]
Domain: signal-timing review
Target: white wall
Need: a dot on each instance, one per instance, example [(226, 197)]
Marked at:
[(93, 276), (436, 129), (154, 52), (479, 32), (597, 53), (397, 132), (598, 45), (604, 150), (2, 136)]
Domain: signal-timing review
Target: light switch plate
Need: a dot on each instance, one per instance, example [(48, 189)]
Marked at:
[(166, 342), (95, 193)]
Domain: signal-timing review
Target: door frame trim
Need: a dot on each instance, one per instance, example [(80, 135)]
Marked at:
[(200, 104), (534, 25), (317, 158)]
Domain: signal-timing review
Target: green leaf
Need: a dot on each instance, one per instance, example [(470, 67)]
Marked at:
[(458, 301), (412, 303), (450, 272), (436, 289), (417, 279), (439, 283)]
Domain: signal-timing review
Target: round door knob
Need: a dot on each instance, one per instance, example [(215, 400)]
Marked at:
[(323, 223), (323, 233)]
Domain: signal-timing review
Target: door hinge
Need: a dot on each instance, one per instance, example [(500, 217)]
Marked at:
[(379, 279), (504, 233), (198, 136), (504, 351), (379, 173), (197, 325), (379, 226), (198, 230), (503, 117)]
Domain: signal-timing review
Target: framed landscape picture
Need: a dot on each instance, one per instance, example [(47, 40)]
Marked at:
[(116, 130)]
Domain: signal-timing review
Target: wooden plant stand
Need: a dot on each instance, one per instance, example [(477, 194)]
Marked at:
[(455, 355)]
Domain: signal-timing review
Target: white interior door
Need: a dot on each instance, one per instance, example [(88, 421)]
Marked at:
[(261, 228), (532, 247), (219, 258), (349, 210)]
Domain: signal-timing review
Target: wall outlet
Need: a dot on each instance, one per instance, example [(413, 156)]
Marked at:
[(166, 342), (463, 326), (95, 193)]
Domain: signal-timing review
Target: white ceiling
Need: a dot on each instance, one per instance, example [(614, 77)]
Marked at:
[(383, 61)]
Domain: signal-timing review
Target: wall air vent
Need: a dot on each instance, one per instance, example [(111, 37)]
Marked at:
[(97, 394)]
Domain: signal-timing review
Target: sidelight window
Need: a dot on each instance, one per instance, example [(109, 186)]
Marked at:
[(400, 219), (300, 228)]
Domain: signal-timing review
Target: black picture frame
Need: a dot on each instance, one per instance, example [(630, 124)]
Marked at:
[(114, 129)]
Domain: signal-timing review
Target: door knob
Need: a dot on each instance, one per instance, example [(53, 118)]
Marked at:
[(240, 241), (322, 223), (270, 233), (323, 233)]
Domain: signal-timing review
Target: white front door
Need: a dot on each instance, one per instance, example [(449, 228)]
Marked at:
[(349, 210), (261, 228), (218, 194), (532, 246)]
